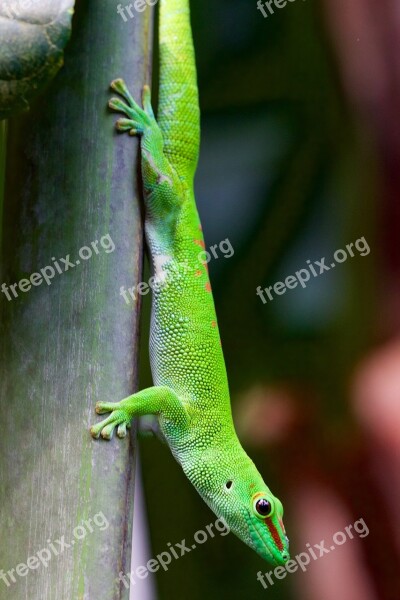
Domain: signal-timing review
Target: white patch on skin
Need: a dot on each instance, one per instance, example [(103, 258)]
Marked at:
[(161, 177), (173, 100), (159, 261)]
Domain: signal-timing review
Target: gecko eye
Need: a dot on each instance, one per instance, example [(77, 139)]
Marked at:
[(228, 485), (263, 507)]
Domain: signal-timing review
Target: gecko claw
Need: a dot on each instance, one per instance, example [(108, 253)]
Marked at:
[(146, 98), (119, 106), (108, 432), (128, 125), (122, 431), (119, 86), (105, 407), (94, 433)]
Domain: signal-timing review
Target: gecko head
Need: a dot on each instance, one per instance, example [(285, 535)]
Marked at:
[(255, 515)]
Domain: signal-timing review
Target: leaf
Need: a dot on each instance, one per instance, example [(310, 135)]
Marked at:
[(33, 34)]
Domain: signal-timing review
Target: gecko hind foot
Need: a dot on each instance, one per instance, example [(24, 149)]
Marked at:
[(118, 418), (138, 119)]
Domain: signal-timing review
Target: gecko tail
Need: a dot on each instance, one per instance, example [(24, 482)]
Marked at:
[(178, 110)]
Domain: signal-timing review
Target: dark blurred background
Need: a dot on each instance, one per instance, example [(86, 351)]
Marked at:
[(300, 157)]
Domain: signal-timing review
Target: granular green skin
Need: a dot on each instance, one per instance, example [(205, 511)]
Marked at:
[(190, 397)]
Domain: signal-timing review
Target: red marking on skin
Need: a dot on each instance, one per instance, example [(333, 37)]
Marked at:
[(252, 485), (198, 273), (200, 243), (282, 525), (208, 287), (274, 533), (214, 324)]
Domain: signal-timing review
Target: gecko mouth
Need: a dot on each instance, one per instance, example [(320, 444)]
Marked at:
[(258, 542), (280, 557)]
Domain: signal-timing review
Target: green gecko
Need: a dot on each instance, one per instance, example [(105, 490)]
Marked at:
[(190, 397)]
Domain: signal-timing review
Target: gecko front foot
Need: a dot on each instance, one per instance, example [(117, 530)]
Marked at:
[(138, 119), (118, 418)]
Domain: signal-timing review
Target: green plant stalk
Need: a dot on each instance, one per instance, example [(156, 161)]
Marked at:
[(66, 345)]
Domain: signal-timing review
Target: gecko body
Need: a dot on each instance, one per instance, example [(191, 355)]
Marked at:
[(190, 397)]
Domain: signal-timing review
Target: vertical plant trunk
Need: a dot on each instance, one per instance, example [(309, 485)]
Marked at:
[(3, 138), (69, 182)]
